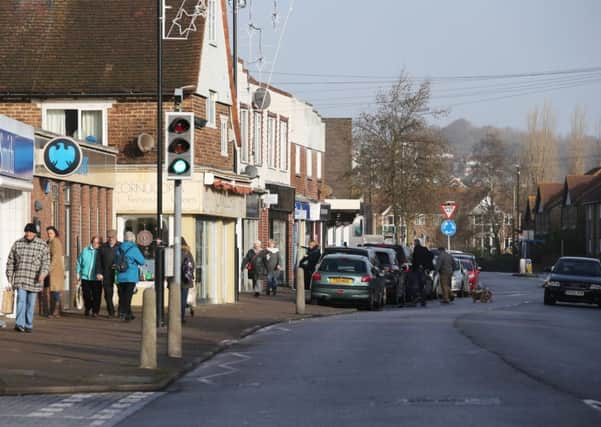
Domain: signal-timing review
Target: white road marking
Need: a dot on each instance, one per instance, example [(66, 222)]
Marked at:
[(595, 404), (227, 367)]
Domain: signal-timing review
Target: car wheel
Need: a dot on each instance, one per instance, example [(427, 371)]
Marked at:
[(548, 300)]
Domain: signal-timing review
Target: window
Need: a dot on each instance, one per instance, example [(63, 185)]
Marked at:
[(257, 149), (283, 145), (297, 159), (85, 122), (271, 142), (318, 166), (244, 135), (211, 113), (224, 130), (212, 21), (309, 163), (420, 219)]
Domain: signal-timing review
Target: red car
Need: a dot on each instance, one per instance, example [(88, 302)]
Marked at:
[(472, 269)]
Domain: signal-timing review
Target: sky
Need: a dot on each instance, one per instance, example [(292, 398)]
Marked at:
[(337, 54)]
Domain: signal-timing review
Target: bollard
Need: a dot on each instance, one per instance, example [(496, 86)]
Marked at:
[(174, 330), (300, 291), (148, 350)]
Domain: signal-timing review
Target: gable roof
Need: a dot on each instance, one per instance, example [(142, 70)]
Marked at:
[(547, 195), (577, 185), (74, 47)]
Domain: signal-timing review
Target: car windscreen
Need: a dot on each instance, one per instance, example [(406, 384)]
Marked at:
[(467, 264), (456, 265), (577, 267), (343, 265)]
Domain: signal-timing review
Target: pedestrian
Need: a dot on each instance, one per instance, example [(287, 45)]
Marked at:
[(127, 280), (187, 277), (444, 267), (309, 262), (273, 263), (26, 268), (86, 274), (56, 275), (248, 263), (421, 262), (104, 269)]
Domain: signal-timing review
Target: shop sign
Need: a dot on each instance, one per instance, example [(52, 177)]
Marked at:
[(62, 156), (314, 211), (252, 206), (324, 211), (286, 196), (270, 199), (16, 149), (301, 210)]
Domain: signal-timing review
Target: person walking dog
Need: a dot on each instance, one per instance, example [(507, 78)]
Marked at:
[(444, 266), (26, 268)]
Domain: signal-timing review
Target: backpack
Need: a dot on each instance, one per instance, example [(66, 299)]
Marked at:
[(120, 262), (188, 269)]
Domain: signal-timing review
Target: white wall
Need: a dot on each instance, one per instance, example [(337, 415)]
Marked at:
[(214, 73)]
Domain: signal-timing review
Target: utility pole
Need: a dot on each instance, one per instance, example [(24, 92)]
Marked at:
[(158, 267), (517, 204)]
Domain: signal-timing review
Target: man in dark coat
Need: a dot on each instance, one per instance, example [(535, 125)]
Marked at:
[(248, 263), (104, 269), (309, 262), (422, 261)]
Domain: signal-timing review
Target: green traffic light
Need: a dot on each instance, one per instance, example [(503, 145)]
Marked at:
[(179, 166)]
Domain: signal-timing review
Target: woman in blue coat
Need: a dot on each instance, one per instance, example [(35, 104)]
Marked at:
[(127, 279)]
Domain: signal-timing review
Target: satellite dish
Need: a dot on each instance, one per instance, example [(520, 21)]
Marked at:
[(261, 99), (145, 142), (251, 171)]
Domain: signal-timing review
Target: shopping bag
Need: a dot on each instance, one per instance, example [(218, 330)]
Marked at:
[(8, 301), (78, 298)]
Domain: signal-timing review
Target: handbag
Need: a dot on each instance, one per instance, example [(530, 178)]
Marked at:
[(78, 298), (8, 301), (249, 266)]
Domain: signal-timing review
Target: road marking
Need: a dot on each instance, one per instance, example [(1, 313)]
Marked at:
[(595, 404), (457, 401), (227, 367)]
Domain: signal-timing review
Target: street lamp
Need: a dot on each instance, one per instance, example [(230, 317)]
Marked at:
[(517, 220)]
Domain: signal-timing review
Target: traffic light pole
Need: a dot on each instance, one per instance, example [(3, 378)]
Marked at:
[(174, 338), (159, 278)]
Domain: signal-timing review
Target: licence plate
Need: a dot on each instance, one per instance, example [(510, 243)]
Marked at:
[(341, 280), (575, 293)]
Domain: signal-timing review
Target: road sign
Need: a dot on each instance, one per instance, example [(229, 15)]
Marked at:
[(448, 227), (448, 209)]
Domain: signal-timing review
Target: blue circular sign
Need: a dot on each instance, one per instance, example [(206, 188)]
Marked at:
[(448, 227), (62, 156)]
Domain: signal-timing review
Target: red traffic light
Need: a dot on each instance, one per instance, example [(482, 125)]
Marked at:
[(179, 126), (179, 146)]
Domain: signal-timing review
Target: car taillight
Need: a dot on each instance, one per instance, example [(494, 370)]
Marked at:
[(471, 275), (366, 279), (316, 276)]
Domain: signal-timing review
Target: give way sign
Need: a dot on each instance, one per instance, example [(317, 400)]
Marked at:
[(448, 208)]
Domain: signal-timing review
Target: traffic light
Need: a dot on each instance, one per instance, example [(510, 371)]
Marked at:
[(179, 143)]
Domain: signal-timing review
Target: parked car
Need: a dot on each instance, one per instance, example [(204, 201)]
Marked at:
[(574, 279), (403, 253), (348, 278), (393, 276), (469, 264), (367, 252), (459, 280)]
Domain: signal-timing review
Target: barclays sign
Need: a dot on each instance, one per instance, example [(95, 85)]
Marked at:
[(16, 149)]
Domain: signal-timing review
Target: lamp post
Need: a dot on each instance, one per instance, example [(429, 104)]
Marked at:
[(517, 222)]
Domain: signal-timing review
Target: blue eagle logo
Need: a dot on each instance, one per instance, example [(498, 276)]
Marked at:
[(61, 157)]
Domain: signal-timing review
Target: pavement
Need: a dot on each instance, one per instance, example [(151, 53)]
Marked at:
[(77, 354)]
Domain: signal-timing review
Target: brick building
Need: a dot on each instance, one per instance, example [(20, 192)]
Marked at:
[(103, 91)]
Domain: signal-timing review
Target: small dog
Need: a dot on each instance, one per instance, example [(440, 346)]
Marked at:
[(482, 294)]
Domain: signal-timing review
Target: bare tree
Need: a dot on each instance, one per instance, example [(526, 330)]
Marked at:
[(397, 154), (539, 160), (577, 144), (493, 171)]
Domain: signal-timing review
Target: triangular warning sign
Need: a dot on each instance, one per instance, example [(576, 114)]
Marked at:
[(448, 210)]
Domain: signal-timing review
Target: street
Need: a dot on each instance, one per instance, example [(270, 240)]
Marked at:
[(514, 362)]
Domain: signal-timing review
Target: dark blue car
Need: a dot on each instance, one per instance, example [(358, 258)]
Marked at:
[(574, 279)]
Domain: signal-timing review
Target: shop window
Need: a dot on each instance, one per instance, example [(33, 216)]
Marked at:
[(136, 224), (86, 122)]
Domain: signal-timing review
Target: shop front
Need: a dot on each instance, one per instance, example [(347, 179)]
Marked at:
[(281, 222), (16, 184), (209, 214), (250, 233), (75, 196)]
